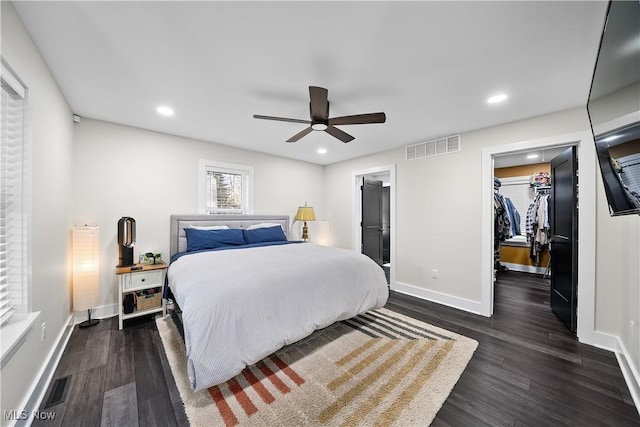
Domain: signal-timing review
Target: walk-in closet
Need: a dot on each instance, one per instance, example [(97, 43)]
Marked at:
[(529, 207)]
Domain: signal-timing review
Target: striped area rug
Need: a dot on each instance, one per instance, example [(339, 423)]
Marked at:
[(378, 369)]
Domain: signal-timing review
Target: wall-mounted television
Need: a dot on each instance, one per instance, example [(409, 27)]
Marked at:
[(614, 107)]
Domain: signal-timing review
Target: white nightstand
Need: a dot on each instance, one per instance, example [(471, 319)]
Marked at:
[(143, 285)]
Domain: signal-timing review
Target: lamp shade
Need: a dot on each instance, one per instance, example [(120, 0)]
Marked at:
[(86, 261), (305, 213)]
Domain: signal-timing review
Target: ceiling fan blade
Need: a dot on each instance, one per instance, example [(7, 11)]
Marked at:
[(341, 135), (359, 119), (319, 104), (300, 134), (281, 119)]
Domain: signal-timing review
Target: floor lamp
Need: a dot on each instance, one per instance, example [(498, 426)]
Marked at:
[(86, 262)]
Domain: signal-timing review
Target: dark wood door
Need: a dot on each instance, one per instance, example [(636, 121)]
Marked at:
[(372, 219), (563, 220), (386, 224)]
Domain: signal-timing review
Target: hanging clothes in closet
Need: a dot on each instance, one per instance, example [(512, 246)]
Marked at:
[(502, 223), (537, 225), (514, 217)]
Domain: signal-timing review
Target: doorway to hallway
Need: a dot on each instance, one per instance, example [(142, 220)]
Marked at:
[(374, 217)]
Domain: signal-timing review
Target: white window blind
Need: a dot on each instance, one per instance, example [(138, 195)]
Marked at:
[(521, 194), (226, 188), (630, 173), (13, 224)]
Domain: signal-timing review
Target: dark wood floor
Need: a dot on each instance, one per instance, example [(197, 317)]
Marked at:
[(527, 371), (117, 378)]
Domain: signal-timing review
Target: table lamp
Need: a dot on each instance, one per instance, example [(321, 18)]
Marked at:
[(305, 213)]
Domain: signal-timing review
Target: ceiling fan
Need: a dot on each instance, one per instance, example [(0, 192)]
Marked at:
[(319, 112)]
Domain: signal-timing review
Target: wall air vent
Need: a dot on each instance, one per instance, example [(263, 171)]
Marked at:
[(435, 147)]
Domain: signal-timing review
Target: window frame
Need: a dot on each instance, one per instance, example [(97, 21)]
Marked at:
[(17, 291), (204, 166), (14, 331)]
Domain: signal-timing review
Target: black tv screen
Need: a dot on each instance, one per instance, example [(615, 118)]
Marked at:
[(614, 107)]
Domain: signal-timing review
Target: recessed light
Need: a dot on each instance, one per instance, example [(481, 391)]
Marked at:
[(533, 156), (496, 98), (322, 151), (165, 111)]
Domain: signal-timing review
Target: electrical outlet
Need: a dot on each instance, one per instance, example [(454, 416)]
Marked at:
[(434, 273), (43, 331)]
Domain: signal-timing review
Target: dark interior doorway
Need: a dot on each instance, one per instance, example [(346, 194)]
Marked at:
[(371, 222), (376, 220), (386, 225)]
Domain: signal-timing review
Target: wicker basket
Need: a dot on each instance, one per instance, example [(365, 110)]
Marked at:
[(146, 302)]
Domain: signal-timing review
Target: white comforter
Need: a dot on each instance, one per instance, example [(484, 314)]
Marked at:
[(240, 305)]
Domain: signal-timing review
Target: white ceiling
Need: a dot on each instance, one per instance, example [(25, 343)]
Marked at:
[(528, 157), (429, 66)]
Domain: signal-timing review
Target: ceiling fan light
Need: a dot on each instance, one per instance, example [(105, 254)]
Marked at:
[(319, 126)]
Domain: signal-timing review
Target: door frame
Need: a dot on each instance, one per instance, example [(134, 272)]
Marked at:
[(356, 212), (586, 230)]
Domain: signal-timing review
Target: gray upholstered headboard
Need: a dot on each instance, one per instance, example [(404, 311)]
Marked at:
[(179, 222)]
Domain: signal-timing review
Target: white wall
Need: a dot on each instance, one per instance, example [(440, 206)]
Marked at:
[(618, 280), (123, 171), (51, 150)]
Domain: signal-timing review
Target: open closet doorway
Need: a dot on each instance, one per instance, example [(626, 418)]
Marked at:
[(587, 230), (374, 214), (535, 232)]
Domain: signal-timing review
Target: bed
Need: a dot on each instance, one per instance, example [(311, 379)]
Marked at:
[(241, 303)]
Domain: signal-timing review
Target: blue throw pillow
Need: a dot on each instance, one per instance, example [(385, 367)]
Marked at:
[(211, 239), (262, 235)]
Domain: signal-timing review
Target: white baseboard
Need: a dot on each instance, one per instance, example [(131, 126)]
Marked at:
[(613, 343), (630, 373), (601, 340), (524, 268), (41, 383), (102, 312), (474, 307)]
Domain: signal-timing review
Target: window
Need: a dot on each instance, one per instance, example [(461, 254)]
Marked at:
[(521, 194), (13, 196), (225, 188)]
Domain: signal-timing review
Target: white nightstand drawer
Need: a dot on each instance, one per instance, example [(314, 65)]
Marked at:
[(143, 279)]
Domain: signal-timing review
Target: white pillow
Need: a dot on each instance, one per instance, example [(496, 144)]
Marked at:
[(263, 225), (209, 227)]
